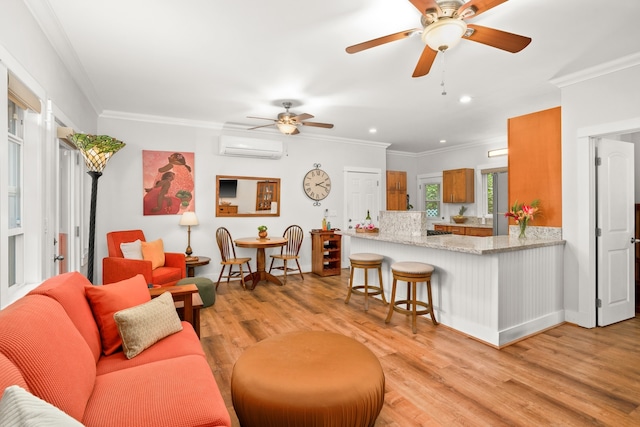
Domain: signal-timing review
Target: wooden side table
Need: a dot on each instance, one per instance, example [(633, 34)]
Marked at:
[(187, 301), (191, 265)]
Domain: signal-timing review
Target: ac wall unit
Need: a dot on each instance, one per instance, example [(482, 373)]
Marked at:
[(250, 147)]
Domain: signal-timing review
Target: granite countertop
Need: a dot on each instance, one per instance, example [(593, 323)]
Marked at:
[(465, 224), (457, 243)]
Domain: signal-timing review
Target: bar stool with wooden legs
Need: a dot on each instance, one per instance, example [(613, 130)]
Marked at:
[(366, 261), (412, 273)]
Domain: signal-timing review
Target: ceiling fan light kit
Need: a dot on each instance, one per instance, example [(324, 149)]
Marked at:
[(287, 122), (443, 26), (286, 128), (444, 34)]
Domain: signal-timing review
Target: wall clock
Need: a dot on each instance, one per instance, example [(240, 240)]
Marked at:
[(316, 184)]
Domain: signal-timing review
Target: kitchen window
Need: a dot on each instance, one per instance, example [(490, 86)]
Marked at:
[(432, 200)]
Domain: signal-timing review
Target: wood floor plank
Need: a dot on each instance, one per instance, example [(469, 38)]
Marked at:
[(566, 376)]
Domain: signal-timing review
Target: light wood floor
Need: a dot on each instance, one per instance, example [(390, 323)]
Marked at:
[(567, 376)]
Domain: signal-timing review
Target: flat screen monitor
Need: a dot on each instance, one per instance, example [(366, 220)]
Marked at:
[(228, 188)]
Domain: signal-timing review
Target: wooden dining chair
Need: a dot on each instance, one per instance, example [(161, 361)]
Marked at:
[(288, 252), (228, 255)]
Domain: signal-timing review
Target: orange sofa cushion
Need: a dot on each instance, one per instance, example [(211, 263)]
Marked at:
[(105, 300), (176, 392), (41, 341), (68, 290)]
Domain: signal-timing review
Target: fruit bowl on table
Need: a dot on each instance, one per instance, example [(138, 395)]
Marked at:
[(459, 219)]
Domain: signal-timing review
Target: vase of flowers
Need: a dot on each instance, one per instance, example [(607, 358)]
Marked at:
[(522, 214), (262, 231)]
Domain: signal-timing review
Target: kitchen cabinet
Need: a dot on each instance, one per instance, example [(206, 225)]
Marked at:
[(326, 252), (458, 186), (465, 230), (396, 190), (478, 231)]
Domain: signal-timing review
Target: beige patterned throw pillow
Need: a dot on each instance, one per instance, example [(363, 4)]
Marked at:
[(142, 326)]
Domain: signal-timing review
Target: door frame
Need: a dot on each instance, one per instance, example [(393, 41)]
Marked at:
[(586, 224)]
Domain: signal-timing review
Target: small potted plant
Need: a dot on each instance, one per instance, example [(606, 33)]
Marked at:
[(460, 218), (262, 231)]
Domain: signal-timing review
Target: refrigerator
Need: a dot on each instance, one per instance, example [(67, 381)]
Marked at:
[(500, 203)]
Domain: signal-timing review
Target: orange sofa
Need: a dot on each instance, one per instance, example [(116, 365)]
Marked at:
[(50, 345), (116, 267)]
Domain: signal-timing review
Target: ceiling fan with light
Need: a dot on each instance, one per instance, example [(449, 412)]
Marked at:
[(288, 122), (443, 26)]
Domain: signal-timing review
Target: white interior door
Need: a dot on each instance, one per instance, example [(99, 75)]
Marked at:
[(615, 220), (362, 194)]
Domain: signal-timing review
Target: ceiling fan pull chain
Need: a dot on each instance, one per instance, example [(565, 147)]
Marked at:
[(444, 90)]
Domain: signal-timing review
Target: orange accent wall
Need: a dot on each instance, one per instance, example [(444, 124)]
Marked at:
[(535, 164)]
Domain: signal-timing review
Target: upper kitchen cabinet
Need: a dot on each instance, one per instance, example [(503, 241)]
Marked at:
[(396, 191), (457, 186)]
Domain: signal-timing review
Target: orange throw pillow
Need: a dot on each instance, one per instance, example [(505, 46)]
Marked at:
[(154, 252), (105, 300)]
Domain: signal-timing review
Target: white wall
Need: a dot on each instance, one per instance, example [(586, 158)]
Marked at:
[(22, 39), (434, 162), (121, 191), (605, 102)]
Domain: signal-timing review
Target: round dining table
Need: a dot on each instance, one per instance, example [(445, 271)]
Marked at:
[(260, 245)]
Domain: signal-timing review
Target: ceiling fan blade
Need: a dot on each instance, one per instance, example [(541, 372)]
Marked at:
[(499, 39), (424, 5), (480, 6), (262, 126), (260, 118), (304, 116), (295, 132), (381, 40), (318, 125), (425, 62)]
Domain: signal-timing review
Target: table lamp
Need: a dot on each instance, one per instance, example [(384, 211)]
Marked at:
[(189, 219)]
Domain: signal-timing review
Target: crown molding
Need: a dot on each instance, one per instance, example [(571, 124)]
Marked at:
[(597, 71), (53, 31)]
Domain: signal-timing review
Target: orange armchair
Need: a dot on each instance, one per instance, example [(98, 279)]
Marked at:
[(115, 267)]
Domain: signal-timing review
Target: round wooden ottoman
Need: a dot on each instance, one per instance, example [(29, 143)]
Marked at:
[(307, 378)]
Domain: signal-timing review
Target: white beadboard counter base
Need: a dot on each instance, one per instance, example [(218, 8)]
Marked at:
[(495, 289)]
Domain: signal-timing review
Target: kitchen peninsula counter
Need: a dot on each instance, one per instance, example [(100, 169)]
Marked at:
[(456, 243), (495, 289)]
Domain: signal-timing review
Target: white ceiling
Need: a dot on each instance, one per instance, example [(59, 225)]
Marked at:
[(218, 61)]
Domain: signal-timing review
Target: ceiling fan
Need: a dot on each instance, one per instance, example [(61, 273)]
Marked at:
[(443, 26), (288, 122)]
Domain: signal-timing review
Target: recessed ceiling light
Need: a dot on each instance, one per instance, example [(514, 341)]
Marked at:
[(465, 99), (443, 141), (373, 130)]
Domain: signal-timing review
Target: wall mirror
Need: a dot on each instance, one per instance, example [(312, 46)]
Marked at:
[(247, 196)]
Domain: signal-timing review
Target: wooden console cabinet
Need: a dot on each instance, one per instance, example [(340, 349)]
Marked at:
[(326, 252), (227, 210), (457, 186)]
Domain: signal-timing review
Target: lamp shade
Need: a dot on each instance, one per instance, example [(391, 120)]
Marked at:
[(96, 150), (444, 34), (189, 218), (286, 128)]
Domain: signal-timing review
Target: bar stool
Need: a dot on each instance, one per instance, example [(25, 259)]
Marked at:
[(366, 261), (412, 273)]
